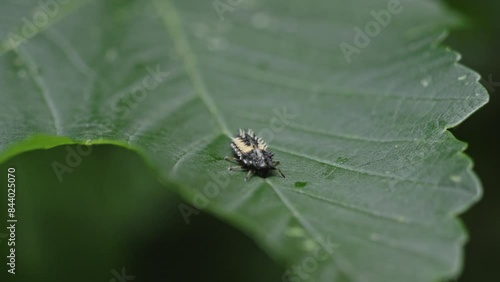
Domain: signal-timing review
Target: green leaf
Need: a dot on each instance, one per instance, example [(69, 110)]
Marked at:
[(361, 138)]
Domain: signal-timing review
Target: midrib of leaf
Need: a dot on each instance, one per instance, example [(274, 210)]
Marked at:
[(170, 17)]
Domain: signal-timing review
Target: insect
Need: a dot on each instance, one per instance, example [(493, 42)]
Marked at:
[(251, 154)]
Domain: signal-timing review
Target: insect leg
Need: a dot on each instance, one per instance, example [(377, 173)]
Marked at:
[(280, 172), (232, 160), (275, 163), (235, 168), (249, 174)]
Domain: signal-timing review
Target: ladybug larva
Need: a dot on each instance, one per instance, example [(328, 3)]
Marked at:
[(251, 154)]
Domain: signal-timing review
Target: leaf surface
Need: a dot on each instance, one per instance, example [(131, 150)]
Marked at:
[(370, 165)]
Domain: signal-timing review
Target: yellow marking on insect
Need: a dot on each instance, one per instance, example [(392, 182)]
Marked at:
[(244, 148)]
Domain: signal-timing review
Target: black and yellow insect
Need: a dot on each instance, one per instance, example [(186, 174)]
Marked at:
[(252, 155)]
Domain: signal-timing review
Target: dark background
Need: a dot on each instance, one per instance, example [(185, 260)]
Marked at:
[(479, 44), (111, 214)]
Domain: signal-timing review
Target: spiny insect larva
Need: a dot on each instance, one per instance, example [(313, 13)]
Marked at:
[(251, 153)]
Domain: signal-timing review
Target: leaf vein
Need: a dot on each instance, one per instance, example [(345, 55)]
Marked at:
[(192, 149), (171, 19), (371, 173), (307, 226), (43, 89)]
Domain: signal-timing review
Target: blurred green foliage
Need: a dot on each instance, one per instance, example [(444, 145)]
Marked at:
[(111, 214)]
